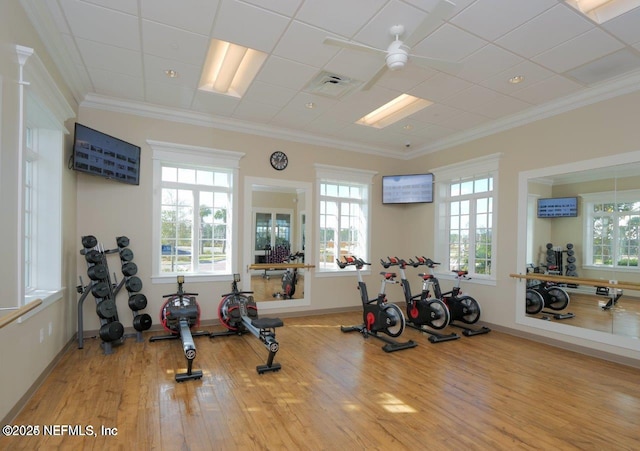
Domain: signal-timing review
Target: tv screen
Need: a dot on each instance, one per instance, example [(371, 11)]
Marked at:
[(407, 189), (97, 153), (558, 207)]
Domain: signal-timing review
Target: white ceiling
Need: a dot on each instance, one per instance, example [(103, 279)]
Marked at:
[(114, 53)]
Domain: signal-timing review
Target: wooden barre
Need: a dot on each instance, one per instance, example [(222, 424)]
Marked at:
[(578, 281), (19, 312), (279, 265)]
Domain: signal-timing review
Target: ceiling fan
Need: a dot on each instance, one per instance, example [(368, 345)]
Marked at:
[(398, 53)]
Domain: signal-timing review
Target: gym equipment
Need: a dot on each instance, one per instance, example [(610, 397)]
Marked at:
[(544, 294), (422, 312), (178, 315), (612, 294), (238, 312), (377, 314), (289, 278), (462, 307)]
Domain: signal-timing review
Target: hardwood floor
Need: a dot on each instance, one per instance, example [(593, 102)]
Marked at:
[(335, 389)]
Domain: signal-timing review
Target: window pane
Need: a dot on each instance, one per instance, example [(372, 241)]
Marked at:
[(186, 176), (204, 177), (169, 174)]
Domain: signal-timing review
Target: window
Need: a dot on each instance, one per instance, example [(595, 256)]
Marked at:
[(343, 214), (612, 227), (194, 204), (465, 227)]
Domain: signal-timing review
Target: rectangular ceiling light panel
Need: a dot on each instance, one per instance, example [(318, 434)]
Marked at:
[(393, 111), (230, 68), (601, 11)]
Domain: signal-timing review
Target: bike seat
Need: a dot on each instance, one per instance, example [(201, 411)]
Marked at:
[(388, 275), (425, 276), (267, 323)]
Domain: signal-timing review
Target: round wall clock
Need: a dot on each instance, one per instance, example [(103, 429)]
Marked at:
[(279, 160)]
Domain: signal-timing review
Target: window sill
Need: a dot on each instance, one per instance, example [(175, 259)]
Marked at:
[(49, 297), (171, 278)]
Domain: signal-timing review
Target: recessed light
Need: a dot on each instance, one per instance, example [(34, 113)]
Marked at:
[(171, 73), (310, 105), (517, 79), (408, 127)]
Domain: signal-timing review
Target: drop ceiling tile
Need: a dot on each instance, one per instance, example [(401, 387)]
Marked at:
[(625, 27), (155, 67), (248, 25), (448, 43), (355, 65), (466, 120), (606, 67), (276, 96), (125, 6), (168, 94), (324, 122), (338, 16), (72, 48), (103, 25), (532, 73), (285, 7), (486, 62), (107, 57), (545, 31), (439, 87), (579, 50), (119, 86), (255, 112), (436, 114), (181, 14), (286, 73), (291, 118), (173, 44), (406, 79), (547, 90), (217, 104), (491, 19), (471, 98), (304, 44), (502, 106)]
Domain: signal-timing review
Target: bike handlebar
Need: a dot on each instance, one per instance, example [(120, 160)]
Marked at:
[(179, 295)]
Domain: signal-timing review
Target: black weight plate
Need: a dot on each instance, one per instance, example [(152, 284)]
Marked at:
[(571, 259), (129, 269), (97, 272), (106, 309), (142, 322), (122, 241), (89, 241), (571, 252), (569, 245), (126, 255), (100, 289), (549, 245), (137, 301), (112, 331), (93, 256), (133, 284), (571, 267)]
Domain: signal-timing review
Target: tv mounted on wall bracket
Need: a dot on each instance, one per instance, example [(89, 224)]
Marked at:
[(407, 189), (97, 153), (558, 207)]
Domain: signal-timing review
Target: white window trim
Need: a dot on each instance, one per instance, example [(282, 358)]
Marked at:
[(35, 81), (326, 172), (198, 156), (443, 176), (587, 236)]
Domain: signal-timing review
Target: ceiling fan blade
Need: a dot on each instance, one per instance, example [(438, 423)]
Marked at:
[(352, 45), (373, 80), (431, 22), (433, 63)]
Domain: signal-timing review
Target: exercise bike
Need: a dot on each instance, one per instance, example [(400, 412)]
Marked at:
[(422, 312), (540, 295), (289, 278), (461, 307), (238, 312), (178, 315), (378, 315)]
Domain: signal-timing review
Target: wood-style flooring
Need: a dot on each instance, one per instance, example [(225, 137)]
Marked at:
[(337, 391)]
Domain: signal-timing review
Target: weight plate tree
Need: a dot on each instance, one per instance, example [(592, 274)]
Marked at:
[(133, 284), (111, 329)]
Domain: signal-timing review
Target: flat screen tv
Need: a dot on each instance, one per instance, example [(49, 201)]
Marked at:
[(558, 207), (97, 153), (407, 189)]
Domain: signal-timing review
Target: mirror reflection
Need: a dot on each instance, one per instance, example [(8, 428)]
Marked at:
[(586, 224), (277, 224)]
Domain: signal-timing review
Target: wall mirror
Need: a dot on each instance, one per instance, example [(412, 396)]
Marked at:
[(276, 227), (597, 241)]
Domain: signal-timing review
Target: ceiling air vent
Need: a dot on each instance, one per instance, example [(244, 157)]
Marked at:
[(331, 85)]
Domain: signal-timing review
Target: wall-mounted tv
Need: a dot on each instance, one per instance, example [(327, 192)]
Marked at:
[(558, 207), (407, 189), (97, 153)]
